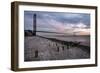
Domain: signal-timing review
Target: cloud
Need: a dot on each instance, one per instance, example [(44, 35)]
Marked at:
[(58, 21)]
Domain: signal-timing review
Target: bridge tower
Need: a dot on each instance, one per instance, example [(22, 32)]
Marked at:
[(34, 24)]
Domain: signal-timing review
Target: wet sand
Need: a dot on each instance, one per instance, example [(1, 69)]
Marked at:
[(38, 48)]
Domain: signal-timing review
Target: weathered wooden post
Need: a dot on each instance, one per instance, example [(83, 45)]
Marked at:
[(63, 47), (36, 53), (68, 46), (34, 25), (57, 48)]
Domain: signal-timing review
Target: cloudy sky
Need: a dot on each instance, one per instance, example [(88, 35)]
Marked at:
[(61, 22)]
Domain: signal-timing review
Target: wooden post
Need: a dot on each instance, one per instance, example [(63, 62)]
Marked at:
[(34, 25), (68, 46), (63, 48), (57, 48), (36, 53)]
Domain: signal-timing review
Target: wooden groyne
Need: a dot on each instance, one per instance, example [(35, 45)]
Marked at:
[(69, 44)]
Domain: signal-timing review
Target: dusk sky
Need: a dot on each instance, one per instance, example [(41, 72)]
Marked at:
[(62, 22)]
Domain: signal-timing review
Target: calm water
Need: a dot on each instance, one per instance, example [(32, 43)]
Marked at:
[(85, 40)]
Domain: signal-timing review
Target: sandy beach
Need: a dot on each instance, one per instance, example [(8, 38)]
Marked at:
[(37, 48)]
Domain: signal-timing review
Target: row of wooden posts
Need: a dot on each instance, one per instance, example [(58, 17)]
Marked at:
[(58, 47)]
